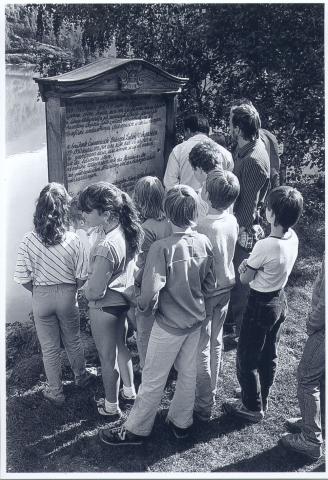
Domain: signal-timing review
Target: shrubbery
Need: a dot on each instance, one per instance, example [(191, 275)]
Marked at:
[(270, 53)]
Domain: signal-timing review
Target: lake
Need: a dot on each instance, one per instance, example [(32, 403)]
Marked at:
[(26, 174)]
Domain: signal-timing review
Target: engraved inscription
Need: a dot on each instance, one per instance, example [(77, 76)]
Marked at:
[(116, 141)]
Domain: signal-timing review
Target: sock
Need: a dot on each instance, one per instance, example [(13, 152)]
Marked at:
[(129, 392), (111, 407)]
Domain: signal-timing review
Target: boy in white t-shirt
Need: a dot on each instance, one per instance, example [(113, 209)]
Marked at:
[(266, 270)]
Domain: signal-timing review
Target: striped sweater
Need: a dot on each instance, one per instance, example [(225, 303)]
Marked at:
[(252, 167), (41, 265)]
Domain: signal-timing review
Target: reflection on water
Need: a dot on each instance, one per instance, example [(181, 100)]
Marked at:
[(26, 174), (25, 112)]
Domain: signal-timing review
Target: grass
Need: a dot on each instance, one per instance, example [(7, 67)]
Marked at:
[(41, 438)]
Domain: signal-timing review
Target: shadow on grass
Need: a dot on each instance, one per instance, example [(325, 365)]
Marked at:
[(276, 459)]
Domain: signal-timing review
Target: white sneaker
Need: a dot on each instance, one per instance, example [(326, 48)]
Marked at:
[(125, 398), (105, 413)]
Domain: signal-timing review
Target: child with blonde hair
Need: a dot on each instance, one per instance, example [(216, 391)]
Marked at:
[(221, 227), (179, 269), (148, 197)]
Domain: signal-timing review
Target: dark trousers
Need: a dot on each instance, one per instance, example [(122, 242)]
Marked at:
[(239, 293), (257, 354)]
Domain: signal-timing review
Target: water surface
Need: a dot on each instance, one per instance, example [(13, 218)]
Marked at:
[(25, 174)]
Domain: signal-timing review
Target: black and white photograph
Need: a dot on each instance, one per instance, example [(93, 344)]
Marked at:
[(163, 259)]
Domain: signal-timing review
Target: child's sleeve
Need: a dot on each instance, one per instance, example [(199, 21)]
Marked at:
[(23, 271), (258, 255), (209, 284), (154, 277), (102, 271), (82, 261), (149, 239)]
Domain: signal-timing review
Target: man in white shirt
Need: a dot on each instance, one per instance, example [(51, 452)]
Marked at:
[(179, 170)]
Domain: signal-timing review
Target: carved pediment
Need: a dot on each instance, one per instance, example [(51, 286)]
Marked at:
[(131, 78)]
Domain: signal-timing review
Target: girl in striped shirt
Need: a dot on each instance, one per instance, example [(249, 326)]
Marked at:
[(52, 264), (120, 234)]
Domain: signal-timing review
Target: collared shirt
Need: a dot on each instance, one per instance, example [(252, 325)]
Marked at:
[(252, 168), (53, 265), (272, 147), (179, 169)]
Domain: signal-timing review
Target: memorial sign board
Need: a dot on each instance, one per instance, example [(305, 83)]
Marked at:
[(111, 120)]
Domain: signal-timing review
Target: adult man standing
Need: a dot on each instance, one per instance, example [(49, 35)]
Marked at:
[(252, 168), (179, 170), (306, 436), (271, 145)]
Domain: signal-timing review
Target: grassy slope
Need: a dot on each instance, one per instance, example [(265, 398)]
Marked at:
[(45, 439)]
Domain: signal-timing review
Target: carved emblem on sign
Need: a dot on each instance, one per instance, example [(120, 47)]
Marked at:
[(130, 78)]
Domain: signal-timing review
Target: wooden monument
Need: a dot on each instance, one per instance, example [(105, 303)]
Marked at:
[(111, 120)]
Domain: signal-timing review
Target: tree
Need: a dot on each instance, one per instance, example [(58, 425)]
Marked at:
[(270, 53)]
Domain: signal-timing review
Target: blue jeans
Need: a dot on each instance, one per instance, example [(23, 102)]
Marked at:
[(56, 317), (311, 386), (257, 354)]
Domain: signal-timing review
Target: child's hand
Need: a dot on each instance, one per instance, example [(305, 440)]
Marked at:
[(242, 267)]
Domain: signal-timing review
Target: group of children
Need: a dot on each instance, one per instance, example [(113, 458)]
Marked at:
[(154, 257)]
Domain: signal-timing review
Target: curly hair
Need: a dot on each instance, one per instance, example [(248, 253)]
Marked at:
[(106, 197), (148, 197), (206, 156), (50, 218)]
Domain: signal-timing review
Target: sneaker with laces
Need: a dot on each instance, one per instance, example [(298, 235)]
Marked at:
[(125, 398), (299, 444), (237, 408), (179, 433), (112, 417), (120, 436), (57, 400)]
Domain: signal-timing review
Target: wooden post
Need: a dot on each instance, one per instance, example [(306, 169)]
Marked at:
[(55, 118)]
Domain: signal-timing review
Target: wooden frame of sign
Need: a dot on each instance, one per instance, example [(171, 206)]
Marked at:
[(111, 120)]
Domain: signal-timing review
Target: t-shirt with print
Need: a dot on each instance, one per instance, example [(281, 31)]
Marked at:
[(273, 259)]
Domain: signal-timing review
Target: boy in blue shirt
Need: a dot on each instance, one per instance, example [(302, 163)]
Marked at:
[(266, 271)]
